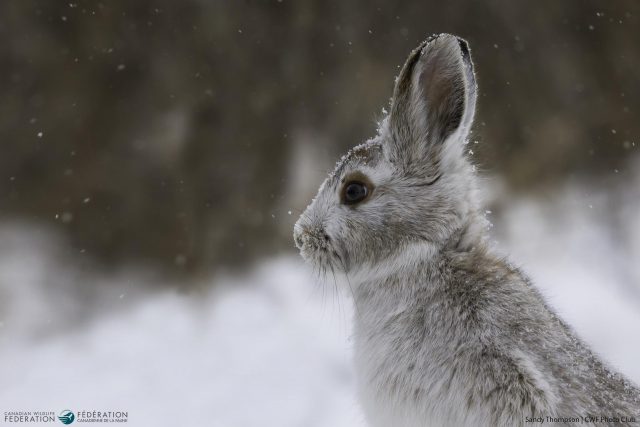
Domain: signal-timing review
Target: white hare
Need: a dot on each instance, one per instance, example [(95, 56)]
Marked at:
[(446, 332)]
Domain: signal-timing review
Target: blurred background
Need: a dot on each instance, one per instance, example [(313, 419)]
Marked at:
[(156, 154)]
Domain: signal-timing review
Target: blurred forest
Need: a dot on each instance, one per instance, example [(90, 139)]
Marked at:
[(174, 133)]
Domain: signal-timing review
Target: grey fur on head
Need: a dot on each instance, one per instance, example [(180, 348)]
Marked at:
[(446, 332)]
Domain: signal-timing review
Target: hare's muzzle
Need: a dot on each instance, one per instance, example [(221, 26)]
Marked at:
[(310, 239), (297, 238)]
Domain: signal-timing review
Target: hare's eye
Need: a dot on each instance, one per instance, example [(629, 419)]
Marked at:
[(354, 192)]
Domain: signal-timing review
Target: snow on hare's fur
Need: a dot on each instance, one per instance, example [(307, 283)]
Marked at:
[(446, 332)]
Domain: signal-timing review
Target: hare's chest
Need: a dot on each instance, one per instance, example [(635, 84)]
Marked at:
[(405, 378)]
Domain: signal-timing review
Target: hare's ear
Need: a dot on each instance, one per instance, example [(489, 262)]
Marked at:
[(433, 100)]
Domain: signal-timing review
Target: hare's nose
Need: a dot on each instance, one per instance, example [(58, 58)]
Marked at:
[(310, 235), (300, 234)]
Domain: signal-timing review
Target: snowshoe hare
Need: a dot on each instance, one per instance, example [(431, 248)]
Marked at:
[(446, 333)]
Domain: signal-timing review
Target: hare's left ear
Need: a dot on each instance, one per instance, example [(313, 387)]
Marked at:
[(434, 100)]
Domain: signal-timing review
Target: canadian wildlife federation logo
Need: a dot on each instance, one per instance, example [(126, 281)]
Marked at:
[(66, 417)]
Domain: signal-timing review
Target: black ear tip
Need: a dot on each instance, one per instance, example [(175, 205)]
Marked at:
[(464, 47)]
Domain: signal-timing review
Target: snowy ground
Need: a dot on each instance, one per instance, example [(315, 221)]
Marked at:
[(259, 350), (270, 347)]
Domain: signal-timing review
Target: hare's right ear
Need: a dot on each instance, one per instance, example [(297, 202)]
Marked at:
[(433, 100)]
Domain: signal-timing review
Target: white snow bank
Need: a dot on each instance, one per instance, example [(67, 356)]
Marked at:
[(258, 350)]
